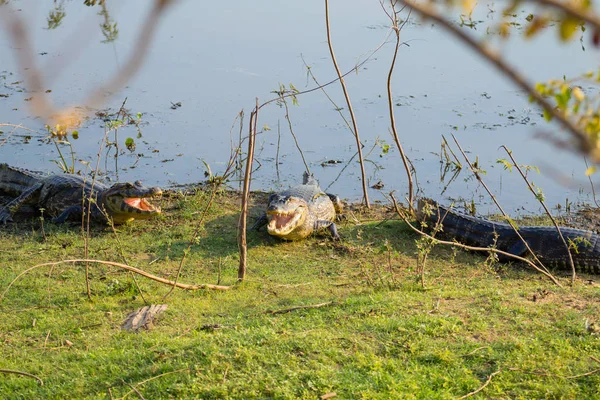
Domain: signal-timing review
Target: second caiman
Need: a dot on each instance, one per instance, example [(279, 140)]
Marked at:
[(65, 196), (297, 212), (543, 240)]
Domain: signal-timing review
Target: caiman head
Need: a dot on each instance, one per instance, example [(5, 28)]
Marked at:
[(287, 216), (127, 201)]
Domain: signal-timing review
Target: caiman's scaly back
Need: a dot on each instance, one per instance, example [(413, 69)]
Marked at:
[(543, 240), (297, 212)]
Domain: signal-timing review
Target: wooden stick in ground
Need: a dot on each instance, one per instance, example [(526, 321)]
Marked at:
[(350, 109), (123, 266), (471, 248), (396, 28), (480, 179), (574, 273), (242, 244), (10, 371)]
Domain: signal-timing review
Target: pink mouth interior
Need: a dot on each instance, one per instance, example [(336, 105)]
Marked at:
[(282, 220), (138, 203)]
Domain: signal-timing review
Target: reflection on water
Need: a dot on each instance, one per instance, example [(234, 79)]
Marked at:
[(209, 61)]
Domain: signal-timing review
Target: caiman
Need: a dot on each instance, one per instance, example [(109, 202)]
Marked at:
[(297, 212), (543, 240), (66, 195)]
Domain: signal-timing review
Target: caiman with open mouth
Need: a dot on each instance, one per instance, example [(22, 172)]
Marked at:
[(66, 196), (297, 212)]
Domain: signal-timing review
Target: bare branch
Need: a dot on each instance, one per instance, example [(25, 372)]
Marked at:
[(583, 141), (119, 265), (350, 109), (574, 273), (10, 371)]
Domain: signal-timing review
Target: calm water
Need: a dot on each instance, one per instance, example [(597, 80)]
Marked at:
[(216, 58)]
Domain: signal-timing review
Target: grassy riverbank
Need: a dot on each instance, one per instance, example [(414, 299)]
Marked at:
[(376, 333)]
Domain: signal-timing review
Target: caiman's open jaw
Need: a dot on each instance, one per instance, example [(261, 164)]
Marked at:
[(132, 201), (283, 223), (141, 204)]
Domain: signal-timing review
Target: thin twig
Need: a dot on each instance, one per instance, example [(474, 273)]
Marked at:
[(10, 371), (134, 389), (396, 28), (151, 379), (591, 183), (592, 372), (350, 109), (199, 224), (287, 310), (480, 180), (119, 265), (574, 274), (335, 106), (487, 382), (584, 141), (287, 117), (471, 248)]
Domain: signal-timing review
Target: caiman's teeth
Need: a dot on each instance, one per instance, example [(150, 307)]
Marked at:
[(282, 223)]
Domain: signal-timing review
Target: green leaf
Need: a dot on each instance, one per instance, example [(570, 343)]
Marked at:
[(590, 170), (568, 27), (130, 144), (505, 164), (547, 116)]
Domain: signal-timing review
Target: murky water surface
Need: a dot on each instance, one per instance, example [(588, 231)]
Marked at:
[(216, 58)]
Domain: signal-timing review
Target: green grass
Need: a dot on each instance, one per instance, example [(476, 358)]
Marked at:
[(383, 336)]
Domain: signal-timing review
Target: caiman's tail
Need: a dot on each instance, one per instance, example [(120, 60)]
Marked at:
[(15, 180)]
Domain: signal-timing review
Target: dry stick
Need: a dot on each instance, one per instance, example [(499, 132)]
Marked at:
[(134, 389), (120, 245), (10, 371), (480, 179), (278, 147), (287, 117), (15, 127), (355, 68), (85, 231), (335, 106), (119, 265), (487, 382), (574, 274), (472, 248), (243, 246), (592, 372), (287, 310), (396, 28), (341, 172), (151, 379), (583, 140), (350, 110), (192, 240)]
